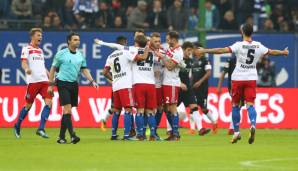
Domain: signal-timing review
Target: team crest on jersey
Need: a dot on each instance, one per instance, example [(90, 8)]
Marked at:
[(200, 62)]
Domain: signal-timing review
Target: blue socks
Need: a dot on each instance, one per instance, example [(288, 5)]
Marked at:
[(252, 115), (140, 123), (132, 122), (236, 117), (169, 118), (44, 116), (115, 120), (158, 116), (152, 124), (127, 123), (145, 125), (175, 122), (23, 114)]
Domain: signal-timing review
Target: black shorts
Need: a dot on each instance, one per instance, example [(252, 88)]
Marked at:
[(68, 93), (202, 97), (187, 97)]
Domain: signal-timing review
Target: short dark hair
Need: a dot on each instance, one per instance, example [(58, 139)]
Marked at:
[(186, 45), (141, 40), (121, 40), (247, 29), (69, 36), (34, 30), (198, 45), (139, 30), (173, 35)]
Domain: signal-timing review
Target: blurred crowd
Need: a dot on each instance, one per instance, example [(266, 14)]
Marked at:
[(266, 15)]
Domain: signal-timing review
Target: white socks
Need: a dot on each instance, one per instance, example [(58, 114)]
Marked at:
[(210, 117), (197, 119), (192, 122)]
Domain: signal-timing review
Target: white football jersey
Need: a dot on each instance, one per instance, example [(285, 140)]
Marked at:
[(247, 54), (120, 63), (158, 69), (36, 63), (171, 78), (143, 72)]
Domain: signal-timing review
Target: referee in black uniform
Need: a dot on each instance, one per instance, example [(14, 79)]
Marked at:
[(71, 64)]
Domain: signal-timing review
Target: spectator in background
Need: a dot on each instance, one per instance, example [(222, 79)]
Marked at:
[(4, 8), (47, 22), (294, 16), (244, 9), (229, 22), (250, 20), (38, 8), (67, 15), (284, 26), (57, 24), (84, 11), (177, 16), (266, 73), (268, 25), (259, 14), (104, 18), (118, 23), (212, 18), (223, 6), (157, 17), (138, 16), (117, 8), (21, 9), (193, 19)]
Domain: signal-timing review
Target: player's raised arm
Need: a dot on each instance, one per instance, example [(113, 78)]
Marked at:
[(216, 50), (275, 52), (110, 45)]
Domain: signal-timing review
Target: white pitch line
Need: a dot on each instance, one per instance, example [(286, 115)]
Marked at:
[(256, 163)]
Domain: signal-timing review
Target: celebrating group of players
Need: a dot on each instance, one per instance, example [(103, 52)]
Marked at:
[(147, 76), (155, 79)]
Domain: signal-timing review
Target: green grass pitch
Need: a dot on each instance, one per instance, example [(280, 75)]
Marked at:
[(273, 150)]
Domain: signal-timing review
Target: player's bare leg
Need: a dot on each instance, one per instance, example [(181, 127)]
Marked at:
[(22, 116)]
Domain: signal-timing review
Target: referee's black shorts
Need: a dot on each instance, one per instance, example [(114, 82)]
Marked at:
[(68, 93), (187, 97), (202, 96)]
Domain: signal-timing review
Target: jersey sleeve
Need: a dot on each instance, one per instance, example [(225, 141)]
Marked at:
[(207, 65), (24, 54), (234, 47), (84, 63), (57, 60), (264, 50), (133, 53), (175, 57)]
